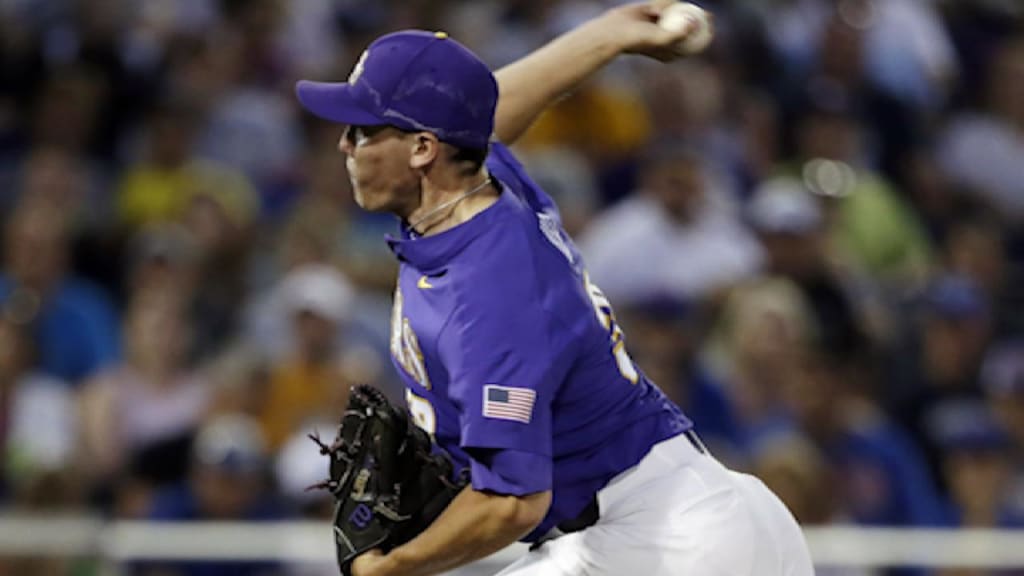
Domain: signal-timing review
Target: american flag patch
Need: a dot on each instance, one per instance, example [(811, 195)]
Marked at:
[(509, 403)]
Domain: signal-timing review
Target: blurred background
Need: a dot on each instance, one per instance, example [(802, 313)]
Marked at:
[(812, 234)]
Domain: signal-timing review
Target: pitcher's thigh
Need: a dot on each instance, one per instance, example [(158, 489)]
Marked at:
[(674, 535), (559, 557), (779, 534), (736, 528)]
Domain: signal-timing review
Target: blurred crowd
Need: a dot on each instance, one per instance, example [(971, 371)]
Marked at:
[(813, 236)]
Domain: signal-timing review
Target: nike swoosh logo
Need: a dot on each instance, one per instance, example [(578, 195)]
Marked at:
[(423, 283)]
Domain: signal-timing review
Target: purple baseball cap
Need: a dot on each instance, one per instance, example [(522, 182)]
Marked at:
[(412, 80)]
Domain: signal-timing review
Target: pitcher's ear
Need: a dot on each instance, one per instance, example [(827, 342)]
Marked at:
[(425, 149)]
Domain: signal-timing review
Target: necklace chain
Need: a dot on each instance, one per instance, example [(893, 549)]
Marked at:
[(451, 203)]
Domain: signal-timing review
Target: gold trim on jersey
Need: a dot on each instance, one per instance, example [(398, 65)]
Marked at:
[(405, 346)]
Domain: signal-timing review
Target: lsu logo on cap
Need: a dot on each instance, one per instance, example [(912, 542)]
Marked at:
[(358, 70)]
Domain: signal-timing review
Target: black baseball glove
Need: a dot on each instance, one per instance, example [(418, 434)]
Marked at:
[(389, 479)]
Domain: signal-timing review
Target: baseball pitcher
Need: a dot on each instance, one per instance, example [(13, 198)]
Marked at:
[(527, 419)]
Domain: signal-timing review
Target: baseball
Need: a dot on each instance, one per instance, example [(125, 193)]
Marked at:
[(678, 16)]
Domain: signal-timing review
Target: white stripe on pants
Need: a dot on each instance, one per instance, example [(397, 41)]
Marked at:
[(678, 512)]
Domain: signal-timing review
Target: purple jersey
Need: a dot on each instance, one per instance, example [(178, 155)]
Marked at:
[(512, 358)]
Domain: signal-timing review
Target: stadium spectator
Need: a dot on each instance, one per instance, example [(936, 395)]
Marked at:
[(907, 49), (160, 186), (909, 53), (841, 66), (138, 417), (50, 174), (222, 226), (881, 477), (982, 149), (869, 224), (298, 466), (74, 324), (789, 223), (228, 480), (678, 235), (943, 359), (251, 124), (307, 383), (755, 349), (1002, 378), (238, 379), (977, 464), (935, 197), (162, 256), (605, 122), (68, 108), (78, 192), (691, 102), (976, 247), (40, 468), (38, 422)]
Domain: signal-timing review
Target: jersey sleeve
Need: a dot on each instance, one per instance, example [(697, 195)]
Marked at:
[(503, 372), (510, 471)]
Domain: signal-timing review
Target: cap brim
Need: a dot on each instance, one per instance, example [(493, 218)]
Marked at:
[(334, 101)]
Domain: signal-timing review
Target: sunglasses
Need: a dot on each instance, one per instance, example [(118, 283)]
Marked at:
[(356, 135)]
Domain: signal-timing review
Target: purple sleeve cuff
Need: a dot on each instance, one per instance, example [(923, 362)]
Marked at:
[(510, 472)]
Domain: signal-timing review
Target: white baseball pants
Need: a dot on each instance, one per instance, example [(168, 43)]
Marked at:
[(678, 512)]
